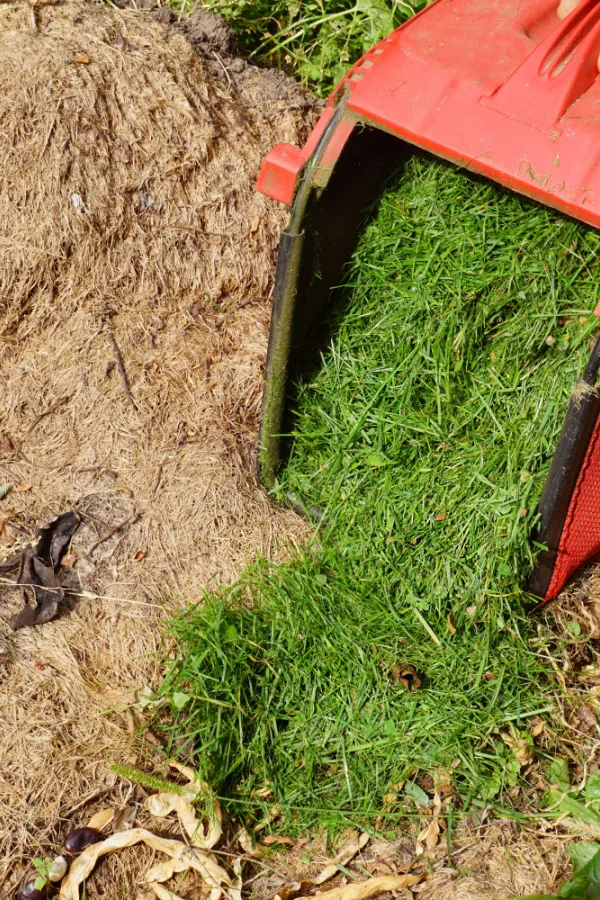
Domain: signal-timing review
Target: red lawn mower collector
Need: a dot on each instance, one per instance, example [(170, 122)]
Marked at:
[(502, 88)]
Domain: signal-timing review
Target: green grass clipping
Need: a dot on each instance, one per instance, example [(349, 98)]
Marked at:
[(425, 434)]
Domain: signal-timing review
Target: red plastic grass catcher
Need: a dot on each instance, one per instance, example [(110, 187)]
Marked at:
[(502, 88)]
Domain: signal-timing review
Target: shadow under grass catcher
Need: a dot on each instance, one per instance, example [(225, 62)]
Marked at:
[(506, 91)]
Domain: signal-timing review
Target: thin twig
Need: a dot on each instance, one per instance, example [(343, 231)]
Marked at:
[(93, 796), (128, 521), (48, 412), (121, 367), (86, 595), (219, 60), (157, 479)]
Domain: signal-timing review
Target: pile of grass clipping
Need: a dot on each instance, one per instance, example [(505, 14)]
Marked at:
[(399, 646), (136, 264)]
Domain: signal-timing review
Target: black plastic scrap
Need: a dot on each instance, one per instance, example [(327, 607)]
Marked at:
[(38, 567)]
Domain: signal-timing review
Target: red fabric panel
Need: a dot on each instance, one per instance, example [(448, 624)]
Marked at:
[(580, 538)]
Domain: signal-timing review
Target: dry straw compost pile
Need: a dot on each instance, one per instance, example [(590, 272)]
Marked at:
[(136, 263)]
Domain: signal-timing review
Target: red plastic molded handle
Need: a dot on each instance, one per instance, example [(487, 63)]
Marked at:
[(560, 69)]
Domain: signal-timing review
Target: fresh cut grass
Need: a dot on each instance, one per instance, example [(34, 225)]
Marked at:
[(425, 434)]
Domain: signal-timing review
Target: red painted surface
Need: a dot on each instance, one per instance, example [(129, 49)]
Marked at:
[(502, 87), (580, 538)]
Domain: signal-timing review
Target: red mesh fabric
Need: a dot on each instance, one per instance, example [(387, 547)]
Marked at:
[(580, 538)]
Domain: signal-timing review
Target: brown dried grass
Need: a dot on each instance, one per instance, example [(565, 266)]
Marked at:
[(128, 216), (489, 860)]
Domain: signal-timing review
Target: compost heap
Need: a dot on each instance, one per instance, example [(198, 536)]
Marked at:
[(136, 265)]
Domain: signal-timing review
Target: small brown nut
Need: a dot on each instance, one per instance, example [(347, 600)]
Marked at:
[(78, 840), (30, 892)]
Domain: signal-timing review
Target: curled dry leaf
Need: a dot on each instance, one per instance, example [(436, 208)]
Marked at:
[(538, 729), (250, 849), (164, 803), (371, 888), (164, 893), (190, 858), (428, 838), (343, 857), (521, 749), (443, 780), (145, 699)]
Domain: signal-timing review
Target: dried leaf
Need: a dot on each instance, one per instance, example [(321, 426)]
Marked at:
[(152, 739), (370, 888), (245, 841), (22, 488), (278, 839), (163, 804), (81, 60), (69, 560), (254, 225), (521, 749), (188, 858), (538, 729), (125, 490), (125, 818), (428, 837), (451, 624), (101, 819), (406, 677), (265, 792), (145, 698), (343, 857), (164, 893)]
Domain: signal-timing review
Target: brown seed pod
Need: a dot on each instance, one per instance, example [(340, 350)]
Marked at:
[(78, 840)]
